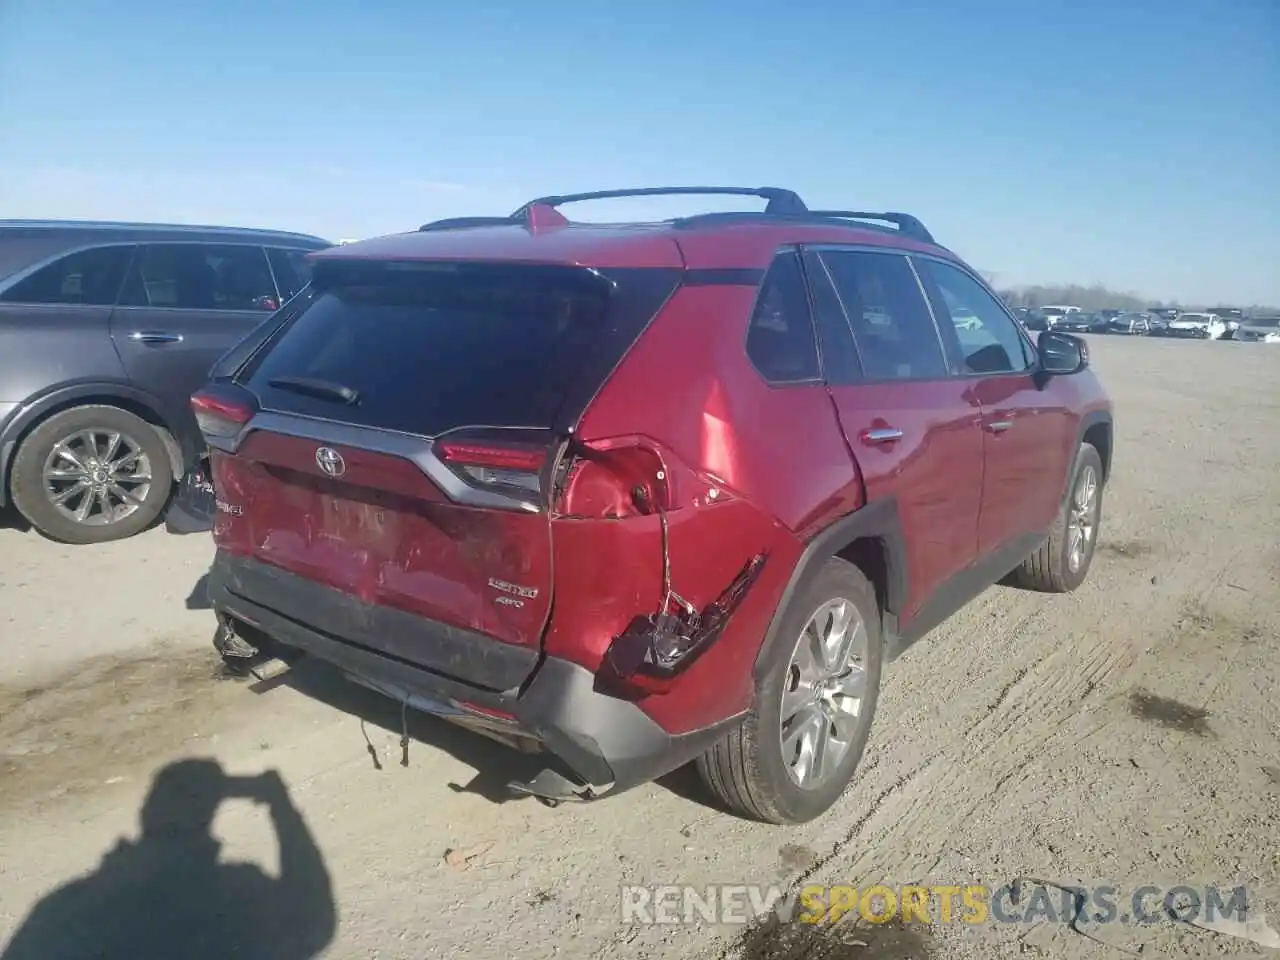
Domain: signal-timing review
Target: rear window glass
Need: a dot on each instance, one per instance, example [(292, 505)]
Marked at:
[(431, 346)]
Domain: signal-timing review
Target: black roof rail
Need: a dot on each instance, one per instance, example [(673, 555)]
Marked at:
[(542, 211), (907, 225), (780, 204), (720, 219), (779, 200), (903, 224), (458, 223)]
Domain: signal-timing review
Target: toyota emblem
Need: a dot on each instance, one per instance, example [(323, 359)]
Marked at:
[(330, 461)]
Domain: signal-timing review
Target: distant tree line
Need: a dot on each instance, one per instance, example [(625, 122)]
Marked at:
[(1098, 297)]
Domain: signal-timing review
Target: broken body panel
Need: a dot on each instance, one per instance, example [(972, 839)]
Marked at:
[(358, 540), (529, 480)]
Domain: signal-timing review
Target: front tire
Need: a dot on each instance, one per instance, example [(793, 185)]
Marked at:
[(1063, 560), (92, 474), (797, 750)]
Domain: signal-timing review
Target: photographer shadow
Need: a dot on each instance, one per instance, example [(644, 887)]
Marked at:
[(167, 895)]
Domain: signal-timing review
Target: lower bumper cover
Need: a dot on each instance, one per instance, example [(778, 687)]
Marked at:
[(606, 743), (179, 519)]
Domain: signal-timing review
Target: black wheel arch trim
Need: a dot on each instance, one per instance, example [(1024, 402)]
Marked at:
[(878, 520), (1087, 422), (42, 405)]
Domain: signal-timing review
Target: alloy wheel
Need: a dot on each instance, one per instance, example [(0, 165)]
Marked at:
[(97, 477), (1082, 522), (823, 693)]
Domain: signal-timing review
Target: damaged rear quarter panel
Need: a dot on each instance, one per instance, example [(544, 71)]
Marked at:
[(609, 571), (778, 451), (688, 384)]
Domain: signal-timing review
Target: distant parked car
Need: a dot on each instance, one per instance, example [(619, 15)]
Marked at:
[(1052, 314), (1231, 316), (1136, 324), (1203, 326), (1035, 321), (1076, 322), (1259, 330), (106, 329)]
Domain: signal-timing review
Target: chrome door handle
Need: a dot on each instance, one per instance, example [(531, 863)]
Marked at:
[(881, 435), (155, 336), (999, 426)]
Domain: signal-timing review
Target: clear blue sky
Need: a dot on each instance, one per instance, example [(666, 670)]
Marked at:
[(1115, 141)]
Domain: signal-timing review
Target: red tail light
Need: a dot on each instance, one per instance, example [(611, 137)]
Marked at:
[(222, 411), (515, 468)]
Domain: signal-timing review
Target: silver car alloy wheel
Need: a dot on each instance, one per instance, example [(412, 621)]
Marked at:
[(97, 477), (823, 693), (1082, 522)]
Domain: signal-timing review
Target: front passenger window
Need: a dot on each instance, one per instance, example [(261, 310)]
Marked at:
[(291, 270), (988, 338), (780, 340), (201, 276)]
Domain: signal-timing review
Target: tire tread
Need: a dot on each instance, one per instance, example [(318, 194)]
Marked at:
[(1046, 570)]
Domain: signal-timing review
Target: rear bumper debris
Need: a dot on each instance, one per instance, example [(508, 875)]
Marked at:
[(193, 506), (600, 744)]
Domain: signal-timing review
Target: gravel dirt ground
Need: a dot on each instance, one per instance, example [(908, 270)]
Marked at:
[(1127, 734)]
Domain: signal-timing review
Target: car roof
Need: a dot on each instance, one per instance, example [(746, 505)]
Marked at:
[(539, 233), (118, 231), (740, 244)]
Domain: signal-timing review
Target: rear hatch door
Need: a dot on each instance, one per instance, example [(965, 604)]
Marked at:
[(400, 454)]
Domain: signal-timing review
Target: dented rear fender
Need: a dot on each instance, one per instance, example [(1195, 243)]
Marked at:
[(607, 572)]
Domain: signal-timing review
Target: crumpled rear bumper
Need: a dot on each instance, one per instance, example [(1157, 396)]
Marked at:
[(603, 744)]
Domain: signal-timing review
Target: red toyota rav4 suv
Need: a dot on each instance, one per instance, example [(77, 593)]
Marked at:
[(648, 493)]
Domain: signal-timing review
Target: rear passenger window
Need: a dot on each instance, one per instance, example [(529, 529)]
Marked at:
[(986, 337), (201, 276), (85, 278), (780, 340), (840, 365), (890, 319)]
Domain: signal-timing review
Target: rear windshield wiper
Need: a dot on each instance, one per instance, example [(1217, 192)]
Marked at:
[(321, 389)]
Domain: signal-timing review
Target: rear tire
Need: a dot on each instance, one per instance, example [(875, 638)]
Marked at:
[(750, 771), (1063, 560), (127, 480)]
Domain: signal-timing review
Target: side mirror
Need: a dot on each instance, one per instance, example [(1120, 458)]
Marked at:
[(1062, 353)]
